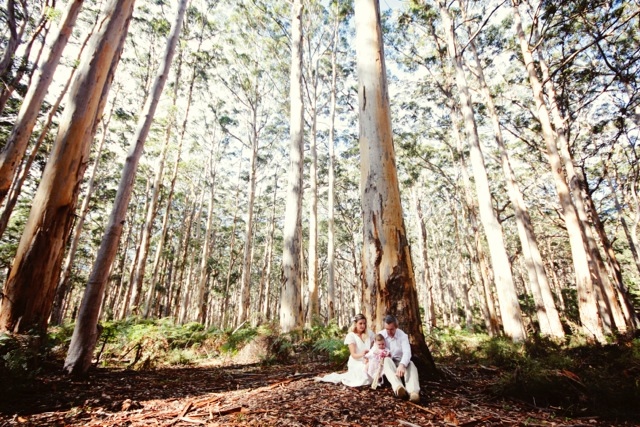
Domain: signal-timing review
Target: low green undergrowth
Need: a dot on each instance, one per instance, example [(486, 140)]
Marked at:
[(576, 378)]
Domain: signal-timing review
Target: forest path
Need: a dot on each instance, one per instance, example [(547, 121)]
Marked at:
[(259, 395)]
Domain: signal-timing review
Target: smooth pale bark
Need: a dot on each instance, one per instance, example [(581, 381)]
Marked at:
[(245, 281), (477, 252), (331, 251), (224, 312), (147, 230), (85, 333), (16, 145), (313, 313), (387, 270), (589, 317), (548, 317), (427, 285), (614, 267), (507, 295), (190, 285), (290, 296), (36, 267), (180, 288), (208, 238), (265, 282)]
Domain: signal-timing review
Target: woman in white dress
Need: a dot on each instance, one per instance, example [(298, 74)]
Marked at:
[(359, 339)]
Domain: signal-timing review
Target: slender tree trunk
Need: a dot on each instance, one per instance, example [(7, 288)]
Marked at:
[(478, 254), (507, 295), (16, 145), (186, 243), (290, 297), (331, 251), (266, 276), (591, 322), (85, 333), (10, 87), (429, 306), (244, 302), (387, 268), (14, 40), (314, 302), (35, 272), (630, 238), (208, 239)]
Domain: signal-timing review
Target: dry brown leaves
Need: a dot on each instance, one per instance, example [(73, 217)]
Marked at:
[(254, 395)]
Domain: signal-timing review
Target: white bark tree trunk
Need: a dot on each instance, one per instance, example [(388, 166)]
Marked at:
[(290, 297), (245, 281), (314, 302), (208, 238), (387, 269), (331, 251)]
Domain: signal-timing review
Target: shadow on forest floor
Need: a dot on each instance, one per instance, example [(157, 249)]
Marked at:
[(270, 395)]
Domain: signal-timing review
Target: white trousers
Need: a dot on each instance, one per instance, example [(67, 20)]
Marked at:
[(411, 382)]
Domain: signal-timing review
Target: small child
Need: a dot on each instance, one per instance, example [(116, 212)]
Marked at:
[(374, 359)]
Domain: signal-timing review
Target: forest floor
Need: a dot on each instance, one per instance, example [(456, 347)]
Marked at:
[(217, 393)]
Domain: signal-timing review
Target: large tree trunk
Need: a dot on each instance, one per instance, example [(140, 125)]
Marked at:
[(591, 322), (85, 333), (65, 277), (290, 297), (16, 145), (36, 267), (507, 295), (387, 270)]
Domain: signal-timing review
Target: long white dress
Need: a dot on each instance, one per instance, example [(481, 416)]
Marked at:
[(356, 374)]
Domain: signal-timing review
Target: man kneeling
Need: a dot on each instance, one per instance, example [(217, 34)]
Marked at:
[(399, 366)]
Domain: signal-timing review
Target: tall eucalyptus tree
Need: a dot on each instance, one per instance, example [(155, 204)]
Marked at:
[(36, 268), (387, 271), (290, 297)]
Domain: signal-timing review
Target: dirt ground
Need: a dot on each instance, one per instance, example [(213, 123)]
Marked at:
[(273, 395)]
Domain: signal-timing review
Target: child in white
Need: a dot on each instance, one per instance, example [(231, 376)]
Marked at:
[(373, 360)]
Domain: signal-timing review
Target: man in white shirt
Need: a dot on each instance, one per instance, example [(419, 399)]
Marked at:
[(399, 366)]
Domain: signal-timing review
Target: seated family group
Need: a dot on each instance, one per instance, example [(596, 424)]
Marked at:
[(372, 356)]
